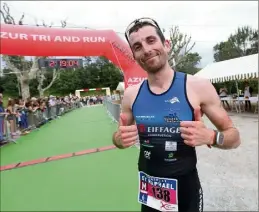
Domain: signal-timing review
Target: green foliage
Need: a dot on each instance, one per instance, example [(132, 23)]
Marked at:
[(93, 93), (33, 87), (231, 86), (244, 42), (9, 83), (5, 100), (189, 64), (20, 63), (101, 73)]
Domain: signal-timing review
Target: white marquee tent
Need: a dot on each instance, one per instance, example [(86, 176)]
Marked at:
[(235, 69), (121, 87)]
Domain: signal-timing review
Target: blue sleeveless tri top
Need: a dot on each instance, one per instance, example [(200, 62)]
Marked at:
[(162, 150)]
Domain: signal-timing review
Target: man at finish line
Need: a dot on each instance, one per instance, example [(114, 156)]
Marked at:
[(164, 114)]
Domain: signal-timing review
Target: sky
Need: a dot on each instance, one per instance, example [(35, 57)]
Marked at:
[(208, 23)]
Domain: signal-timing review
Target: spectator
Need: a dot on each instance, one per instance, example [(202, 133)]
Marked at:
[(247, 94), (11, 117), (2, 115), (223, 92), (23, 116), (23, 123)]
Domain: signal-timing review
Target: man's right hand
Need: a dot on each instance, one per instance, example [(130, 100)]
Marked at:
[(126, 136)]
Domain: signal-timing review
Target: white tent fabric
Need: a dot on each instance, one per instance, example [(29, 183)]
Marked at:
[(235, 69), (120, 86)]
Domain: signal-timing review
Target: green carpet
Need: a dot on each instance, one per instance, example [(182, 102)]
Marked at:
[(103, 181), (78, 130)]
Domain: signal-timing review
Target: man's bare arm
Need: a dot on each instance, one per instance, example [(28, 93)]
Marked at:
[(211, 106), (126, 110)]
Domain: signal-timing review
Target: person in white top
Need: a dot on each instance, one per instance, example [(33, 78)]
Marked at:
[(247, 95), (52, 101)]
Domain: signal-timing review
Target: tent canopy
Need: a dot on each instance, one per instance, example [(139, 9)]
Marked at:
[(121, 86), (235, 69)]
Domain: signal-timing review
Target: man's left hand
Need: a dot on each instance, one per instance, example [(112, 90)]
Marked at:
[(195, 133)]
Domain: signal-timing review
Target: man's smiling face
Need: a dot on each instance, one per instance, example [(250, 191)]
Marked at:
[(148, 49)]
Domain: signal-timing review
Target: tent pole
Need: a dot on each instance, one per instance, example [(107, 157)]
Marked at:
[(239, 107)]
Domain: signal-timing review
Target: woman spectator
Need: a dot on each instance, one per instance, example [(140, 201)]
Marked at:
[(23, 122), (2, 117), (247, 94), (223, 92), (11, 117)]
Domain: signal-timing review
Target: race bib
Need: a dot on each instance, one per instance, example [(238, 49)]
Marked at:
[(158, 193)]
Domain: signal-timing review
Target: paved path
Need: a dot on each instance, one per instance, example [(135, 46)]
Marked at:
[(230, 177)]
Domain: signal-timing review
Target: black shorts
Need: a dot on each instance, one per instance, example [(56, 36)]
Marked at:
[(190, 194), (11, 117)]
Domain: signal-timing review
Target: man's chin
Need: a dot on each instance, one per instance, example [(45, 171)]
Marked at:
[(153, 70)]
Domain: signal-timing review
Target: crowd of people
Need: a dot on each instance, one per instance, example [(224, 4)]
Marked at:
[(19, 117), (92, 100)]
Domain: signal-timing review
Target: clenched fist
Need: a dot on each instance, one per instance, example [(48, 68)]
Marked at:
[(126, 136)]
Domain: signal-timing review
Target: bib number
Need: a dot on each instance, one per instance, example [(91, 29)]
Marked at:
[(162, 194), (158, 193)]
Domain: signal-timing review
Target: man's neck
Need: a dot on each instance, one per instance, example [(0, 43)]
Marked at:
[(161, 79)]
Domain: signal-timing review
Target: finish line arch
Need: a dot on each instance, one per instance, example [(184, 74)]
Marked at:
[(41, 41), (107, 91)]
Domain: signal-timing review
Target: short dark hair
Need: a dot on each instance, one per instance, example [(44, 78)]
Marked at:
[(139, 25)]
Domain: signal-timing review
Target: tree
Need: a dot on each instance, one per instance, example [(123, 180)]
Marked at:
[(101, 73), (9, 83), (189, 65), (180, 58), (244, 42), (109, 74), (23, 69), (225, 51)]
